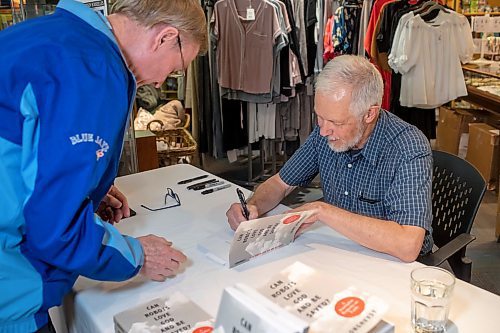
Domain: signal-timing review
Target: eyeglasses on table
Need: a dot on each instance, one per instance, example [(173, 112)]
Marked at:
[(170, 193)]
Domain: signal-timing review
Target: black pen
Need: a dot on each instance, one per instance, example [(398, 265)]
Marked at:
[(185, 181), (190, 187), (202, 187), (243, 202), (215, 189)]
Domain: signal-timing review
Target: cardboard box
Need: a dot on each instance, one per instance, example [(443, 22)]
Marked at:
[(482, 151), (450, 127)]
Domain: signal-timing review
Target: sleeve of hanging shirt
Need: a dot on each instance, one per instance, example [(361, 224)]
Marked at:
[(409, 44), (464, 39), (75, 108), (400, 46)]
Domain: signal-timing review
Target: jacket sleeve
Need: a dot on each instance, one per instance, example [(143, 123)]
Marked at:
[(75, 113)]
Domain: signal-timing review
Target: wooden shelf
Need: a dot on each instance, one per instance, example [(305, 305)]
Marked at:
[(483, 98), (484, 70), (481, 14)]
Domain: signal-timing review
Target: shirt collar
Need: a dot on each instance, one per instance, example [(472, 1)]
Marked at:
[(371, 151), (93, 18)]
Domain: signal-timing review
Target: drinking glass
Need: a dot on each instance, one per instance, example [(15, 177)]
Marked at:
[(431, 291)]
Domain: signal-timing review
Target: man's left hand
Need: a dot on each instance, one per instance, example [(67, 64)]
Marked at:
[(316, 207), (114, 206)]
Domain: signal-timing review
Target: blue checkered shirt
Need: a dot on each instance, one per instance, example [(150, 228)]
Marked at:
[(389, 179)]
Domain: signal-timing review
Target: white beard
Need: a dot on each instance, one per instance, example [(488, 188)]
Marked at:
[(342, 146)]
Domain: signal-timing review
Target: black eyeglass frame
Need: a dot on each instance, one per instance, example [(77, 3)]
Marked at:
[(182, 72), (170, 193)]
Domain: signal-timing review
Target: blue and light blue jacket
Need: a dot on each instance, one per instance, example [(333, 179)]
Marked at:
[(65, 99)]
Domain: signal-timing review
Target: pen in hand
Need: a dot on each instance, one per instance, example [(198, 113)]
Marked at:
[(243, 202)]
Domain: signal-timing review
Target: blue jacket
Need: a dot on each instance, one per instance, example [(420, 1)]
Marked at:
[(65, 99)]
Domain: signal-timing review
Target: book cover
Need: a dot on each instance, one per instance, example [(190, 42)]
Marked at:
[(172, 314), (311, 295), (243, 309)]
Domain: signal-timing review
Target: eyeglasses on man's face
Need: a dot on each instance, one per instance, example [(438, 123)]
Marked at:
[(170, 194), (182, 72)]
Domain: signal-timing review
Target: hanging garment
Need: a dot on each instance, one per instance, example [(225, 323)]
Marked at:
[(429, 56), (245, 48), (261, 121)]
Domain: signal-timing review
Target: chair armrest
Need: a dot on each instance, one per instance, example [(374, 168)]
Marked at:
[(449, 249)]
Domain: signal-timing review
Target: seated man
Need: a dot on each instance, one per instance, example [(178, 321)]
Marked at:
[(375, 169)]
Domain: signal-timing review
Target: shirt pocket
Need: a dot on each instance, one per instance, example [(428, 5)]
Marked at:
[(260, 39), (371, 204)]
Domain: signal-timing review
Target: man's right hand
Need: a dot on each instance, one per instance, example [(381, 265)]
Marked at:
[(235, 214), (161, 260)]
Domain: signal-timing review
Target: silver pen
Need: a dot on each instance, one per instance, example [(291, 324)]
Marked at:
[(215, 189)]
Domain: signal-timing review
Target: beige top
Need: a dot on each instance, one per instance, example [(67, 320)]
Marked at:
[(245, 48)]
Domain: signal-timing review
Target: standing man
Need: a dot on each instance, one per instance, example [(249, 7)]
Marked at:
[(375, 169), (67, 86)]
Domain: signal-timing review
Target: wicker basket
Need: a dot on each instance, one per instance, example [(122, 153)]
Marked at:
[(178, 143)]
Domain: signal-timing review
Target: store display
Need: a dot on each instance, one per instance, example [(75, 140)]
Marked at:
[(483, 83)]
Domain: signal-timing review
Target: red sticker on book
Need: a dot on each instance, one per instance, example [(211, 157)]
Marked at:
[(350, 307), (291, 219), (204, 329)]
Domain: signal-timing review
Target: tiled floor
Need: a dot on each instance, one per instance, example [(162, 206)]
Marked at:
[(484, 251)]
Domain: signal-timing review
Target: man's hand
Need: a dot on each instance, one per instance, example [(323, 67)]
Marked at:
[(114, 206), (316, 207), (160, 259), (235, 214)]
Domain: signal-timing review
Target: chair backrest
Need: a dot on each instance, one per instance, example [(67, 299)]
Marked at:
[(457, 191)]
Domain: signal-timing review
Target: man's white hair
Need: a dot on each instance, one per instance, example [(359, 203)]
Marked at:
[(354, 73)]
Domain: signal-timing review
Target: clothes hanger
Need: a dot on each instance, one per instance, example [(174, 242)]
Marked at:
[(423, 6), (435, 5)]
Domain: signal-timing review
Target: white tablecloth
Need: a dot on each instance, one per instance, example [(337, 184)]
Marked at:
[(201, 216)]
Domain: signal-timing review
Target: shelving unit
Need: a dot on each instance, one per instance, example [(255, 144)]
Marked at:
[(480, 14), (489, 101)]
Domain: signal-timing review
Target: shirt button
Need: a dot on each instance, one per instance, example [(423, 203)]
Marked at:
[(349, 165), (346, 193)]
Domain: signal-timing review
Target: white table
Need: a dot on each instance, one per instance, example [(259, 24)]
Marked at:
[(200, 216)]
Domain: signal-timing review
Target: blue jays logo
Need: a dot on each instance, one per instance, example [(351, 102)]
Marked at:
[(89, 137)]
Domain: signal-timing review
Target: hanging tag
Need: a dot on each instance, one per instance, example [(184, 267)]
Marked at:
[(250, 14)]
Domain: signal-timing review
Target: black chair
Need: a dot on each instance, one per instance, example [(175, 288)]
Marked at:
[(457, 191)]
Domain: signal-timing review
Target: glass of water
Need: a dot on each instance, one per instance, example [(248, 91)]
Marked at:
[(431, 290)]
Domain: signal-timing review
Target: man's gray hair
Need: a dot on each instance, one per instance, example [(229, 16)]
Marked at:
[(185, 15), (356, 73)]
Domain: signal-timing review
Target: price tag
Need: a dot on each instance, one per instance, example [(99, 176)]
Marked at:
[(250, 14)]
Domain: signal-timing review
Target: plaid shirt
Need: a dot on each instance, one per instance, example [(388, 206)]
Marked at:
[(389, 179)]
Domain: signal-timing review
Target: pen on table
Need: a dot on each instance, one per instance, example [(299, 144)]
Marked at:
[(190, 187), (202, 187), (215, 189), (243, 202), (185, 181)]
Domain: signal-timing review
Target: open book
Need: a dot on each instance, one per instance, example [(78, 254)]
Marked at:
[(254, 238)]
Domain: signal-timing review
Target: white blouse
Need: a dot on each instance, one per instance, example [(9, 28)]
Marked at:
[(428, 55)]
